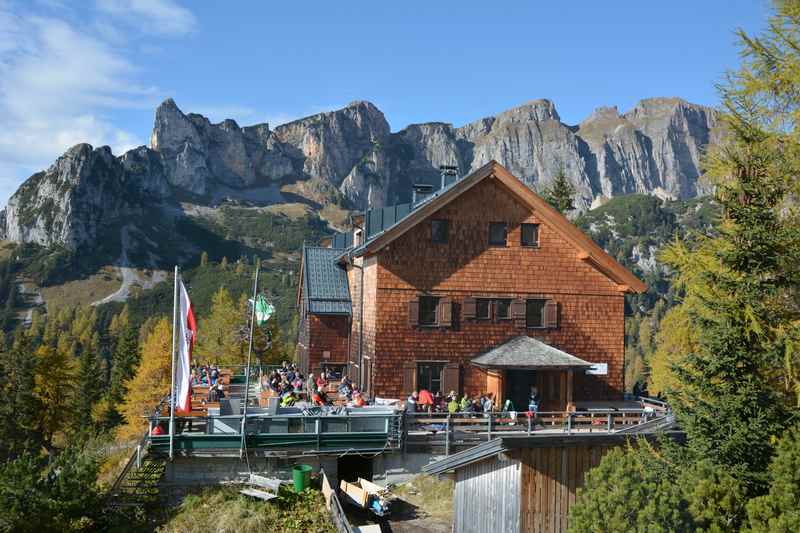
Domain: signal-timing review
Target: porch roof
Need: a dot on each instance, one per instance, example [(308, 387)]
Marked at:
[(527, 352)]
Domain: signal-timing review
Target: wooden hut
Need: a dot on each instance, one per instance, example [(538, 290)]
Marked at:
[(522, 484)]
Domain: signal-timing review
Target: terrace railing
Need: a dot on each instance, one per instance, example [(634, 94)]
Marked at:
[(329, 433), (448, 431)]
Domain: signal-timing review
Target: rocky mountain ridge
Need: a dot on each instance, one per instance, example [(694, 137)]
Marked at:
[(351, 156)]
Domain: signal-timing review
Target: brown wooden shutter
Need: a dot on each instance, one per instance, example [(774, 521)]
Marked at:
[(451, 378), (469, 309), (444, 313), (409, 378), (413, 312), (551, 314), (518, 313)]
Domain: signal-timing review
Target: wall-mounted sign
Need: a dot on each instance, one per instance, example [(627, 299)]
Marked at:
[(598, 369)]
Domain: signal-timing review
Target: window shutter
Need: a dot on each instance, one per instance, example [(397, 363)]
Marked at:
[(551, 314), (413, 312), (409, 378), (451, 378), (469, 308), (444, 313), (518, 313)]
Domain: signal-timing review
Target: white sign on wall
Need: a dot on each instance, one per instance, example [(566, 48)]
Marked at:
[(598, 369)]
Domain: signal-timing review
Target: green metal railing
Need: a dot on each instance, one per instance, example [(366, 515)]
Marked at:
[(322, 433)]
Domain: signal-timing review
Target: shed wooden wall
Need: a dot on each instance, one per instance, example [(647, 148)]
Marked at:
[(549, 478), (487, 497)]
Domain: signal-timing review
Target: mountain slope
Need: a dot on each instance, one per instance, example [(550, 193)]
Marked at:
[(349, 157)]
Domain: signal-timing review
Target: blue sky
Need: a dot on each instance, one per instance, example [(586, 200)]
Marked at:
[(94, 70)]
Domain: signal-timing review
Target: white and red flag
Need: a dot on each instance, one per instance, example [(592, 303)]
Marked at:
[(187, 330)]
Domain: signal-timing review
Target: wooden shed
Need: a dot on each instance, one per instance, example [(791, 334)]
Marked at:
[(522, 484)]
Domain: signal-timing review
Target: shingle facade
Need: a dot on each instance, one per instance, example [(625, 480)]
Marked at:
[(396, 273)]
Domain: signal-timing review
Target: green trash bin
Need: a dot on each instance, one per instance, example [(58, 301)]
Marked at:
[(302, 477)]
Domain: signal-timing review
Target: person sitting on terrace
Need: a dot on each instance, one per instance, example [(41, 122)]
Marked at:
[(213, 394), (488, 405), (288, 400), (345, 387), (411, 403), (311, 385), (425, 400), (465, 403), (438, 402), (322, 383), (533, 400), (220, 389), (452, 404), (358, 399)]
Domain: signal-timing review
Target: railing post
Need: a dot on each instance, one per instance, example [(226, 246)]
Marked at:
[(530, 421), (489, 435), (610, 422), (138, 456), (316, 430), (569, 423), (447, 436)]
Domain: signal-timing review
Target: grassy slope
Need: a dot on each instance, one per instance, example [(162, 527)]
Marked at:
[(224, 509)]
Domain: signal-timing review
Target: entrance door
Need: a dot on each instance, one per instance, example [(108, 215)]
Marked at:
[(518, 387)]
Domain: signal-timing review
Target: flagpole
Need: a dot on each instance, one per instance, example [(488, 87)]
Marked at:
[(172, 384), (249, 354)]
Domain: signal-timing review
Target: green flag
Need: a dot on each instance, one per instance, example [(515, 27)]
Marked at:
[(264, 310)]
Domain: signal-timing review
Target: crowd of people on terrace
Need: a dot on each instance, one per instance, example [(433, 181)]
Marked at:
[(289, 383), (426, 402), (210, 376)]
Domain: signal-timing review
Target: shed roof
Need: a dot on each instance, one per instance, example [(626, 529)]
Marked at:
[(325, 282), (661, 426), (527, 352)]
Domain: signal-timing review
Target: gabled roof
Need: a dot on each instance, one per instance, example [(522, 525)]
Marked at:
[(325, 286), (588, 250), (527, 352)]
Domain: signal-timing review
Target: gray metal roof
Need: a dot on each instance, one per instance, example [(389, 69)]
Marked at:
[(527, 352), (326, 289)]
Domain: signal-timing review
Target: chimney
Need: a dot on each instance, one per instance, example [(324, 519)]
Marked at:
[(420, 191), (447, 170)]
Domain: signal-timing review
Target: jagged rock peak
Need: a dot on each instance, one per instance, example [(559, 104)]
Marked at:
[(539, 110)]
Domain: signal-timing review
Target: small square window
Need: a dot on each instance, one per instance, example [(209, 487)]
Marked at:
[(503, 309), (498, 233), (530, 235), (429, 376), (439, 231), (427, 310), (483, 309), (534, 313)]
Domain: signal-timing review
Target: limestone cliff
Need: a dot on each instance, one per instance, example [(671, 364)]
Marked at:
[(655, 148)]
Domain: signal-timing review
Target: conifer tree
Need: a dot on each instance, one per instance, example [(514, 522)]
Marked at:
[(150, 383), (779, 510), (54, 389), (204, 259), (561, 192), (219, 334), (19, 409)]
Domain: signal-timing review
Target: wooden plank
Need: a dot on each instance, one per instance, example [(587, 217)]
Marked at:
[(556, 488), (327, 490), (260, 494), (564, 489)]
